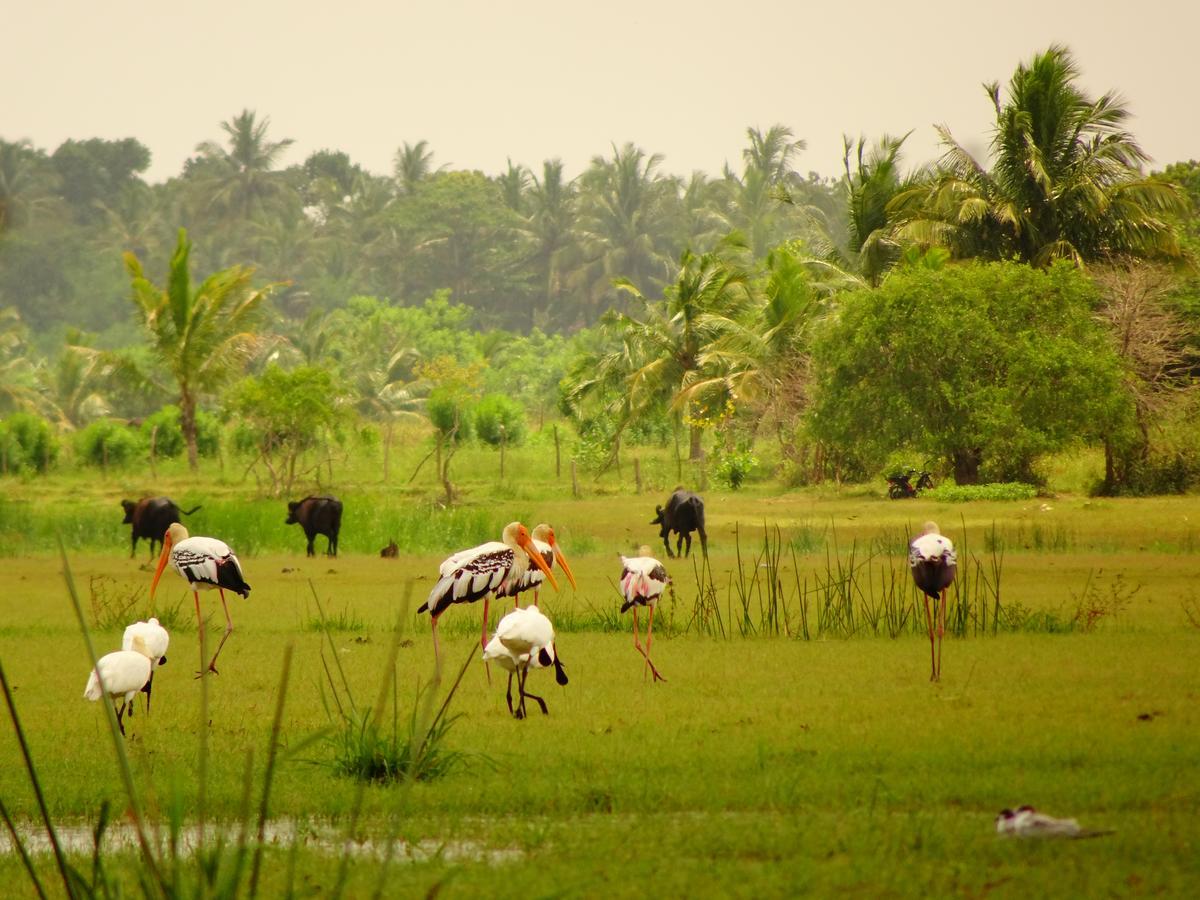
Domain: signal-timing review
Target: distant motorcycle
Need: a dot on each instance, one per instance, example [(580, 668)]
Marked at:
[(901, 486)]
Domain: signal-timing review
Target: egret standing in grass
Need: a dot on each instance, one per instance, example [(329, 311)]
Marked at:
[(156, 640), (643, 579), (206, 564), (121, 674), (931, 557), (524, 640), (479, 572), (547, 545)]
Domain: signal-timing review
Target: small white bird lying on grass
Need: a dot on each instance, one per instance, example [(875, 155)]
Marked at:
[(124, 673), (1026, 821)]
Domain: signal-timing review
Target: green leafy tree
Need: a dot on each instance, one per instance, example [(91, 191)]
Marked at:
[(499, 419), (284, 415), (986, 367), (203, 334), (413, 165), (1065, 180)]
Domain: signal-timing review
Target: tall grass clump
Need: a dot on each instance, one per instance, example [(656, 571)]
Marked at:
[(965, 493), (362, 747)]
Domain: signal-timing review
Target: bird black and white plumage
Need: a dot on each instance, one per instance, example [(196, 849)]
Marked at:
[(643, 579), (547, 545), (206, 564), (479, 572), (121, 674), (933, 563), (156, 640), (524, 640), (1027, 822)]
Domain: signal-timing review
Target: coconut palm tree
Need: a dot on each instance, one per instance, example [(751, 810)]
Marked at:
[(1065, 180), (414, 164), (549, 228), (201, 334), (660, 356), (241, 177), (623, 211), (26, 182)]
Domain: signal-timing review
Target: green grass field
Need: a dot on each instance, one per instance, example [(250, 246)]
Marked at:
[(773, 762)]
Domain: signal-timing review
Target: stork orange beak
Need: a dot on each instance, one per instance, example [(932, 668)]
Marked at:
[(527, 545), (162, 563), (562, 561)]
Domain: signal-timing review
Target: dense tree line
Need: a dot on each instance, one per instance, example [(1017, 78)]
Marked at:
[(720, 311)]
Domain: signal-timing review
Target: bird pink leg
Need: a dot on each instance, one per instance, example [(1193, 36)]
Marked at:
[(941, 632), (932, 657), (483, 639), (200, 627), (649, 638), (437, 656), (212, 666)]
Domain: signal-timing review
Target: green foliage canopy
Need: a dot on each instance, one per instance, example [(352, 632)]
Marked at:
[(986, 366)]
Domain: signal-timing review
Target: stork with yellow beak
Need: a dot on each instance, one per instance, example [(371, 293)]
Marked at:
[(206, 564), (482, 571), (547, 546)]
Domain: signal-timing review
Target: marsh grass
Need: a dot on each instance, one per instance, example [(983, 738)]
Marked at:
[(360, 746), (113, 606)]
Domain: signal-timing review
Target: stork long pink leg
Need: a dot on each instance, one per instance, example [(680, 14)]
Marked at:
[(484, 637), (941, 632), (212, 666), (932, 657), (649, 638), (200, 628)]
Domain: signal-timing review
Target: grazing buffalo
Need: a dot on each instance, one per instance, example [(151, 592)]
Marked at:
[(317, 515), (150, 518), (683, 515)]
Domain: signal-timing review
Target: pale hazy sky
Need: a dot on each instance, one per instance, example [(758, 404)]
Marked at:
[(532, 79)]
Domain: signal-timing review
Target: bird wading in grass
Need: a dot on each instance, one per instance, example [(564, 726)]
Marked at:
[(121, 674), (643, 579), (480, 572), (524, 640), (206, 564), (156, 641), (547, 545), (933, 563)]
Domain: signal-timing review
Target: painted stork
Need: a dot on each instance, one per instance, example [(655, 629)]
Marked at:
[(931, 557), (547, 546), (479, 572), (524, 640), (206, 564), (643, 579), (156, 640), (121, 674)]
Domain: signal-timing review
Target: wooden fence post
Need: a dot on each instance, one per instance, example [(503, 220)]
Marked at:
[(574, 481), (557, 456), (637, 474)]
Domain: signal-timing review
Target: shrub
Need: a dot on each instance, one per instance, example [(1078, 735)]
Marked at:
[(963, 493), (27, 443), (732, 467), (168, 440), (107, 442), (499, 410), (448, 408)]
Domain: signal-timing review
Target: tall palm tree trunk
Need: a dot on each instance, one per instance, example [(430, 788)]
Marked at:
[(187, 422)]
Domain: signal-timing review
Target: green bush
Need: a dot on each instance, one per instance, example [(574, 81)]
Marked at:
[(731, 467), (27, 443), (963, 493), (169, 442), (450, 407), (107, 442), (499, 410)]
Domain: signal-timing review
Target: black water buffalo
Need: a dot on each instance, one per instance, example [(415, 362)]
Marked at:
[(317, 515), (150, 518), (683, 515)]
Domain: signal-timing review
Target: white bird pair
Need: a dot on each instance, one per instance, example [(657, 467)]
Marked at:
[(130, 669), (524, 640)]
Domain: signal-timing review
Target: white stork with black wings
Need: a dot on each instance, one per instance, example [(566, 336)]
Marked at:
[(934, 565), (643, 579), (206, 564), (479, 572)]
